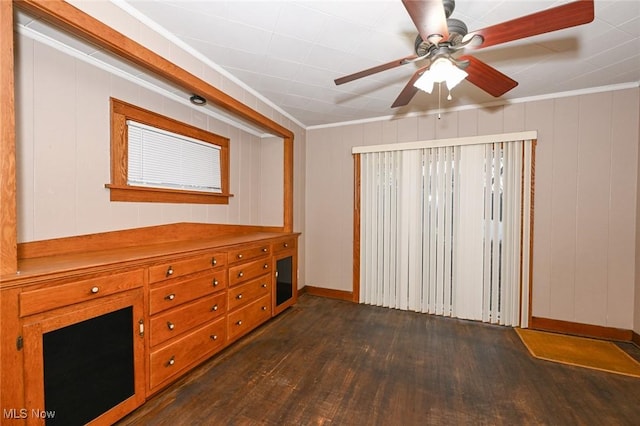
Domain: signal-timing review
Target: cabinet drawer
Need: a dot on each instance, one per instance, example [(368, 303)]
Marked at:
[(184, 318), (249, 317), (245, 293), (248, 253), (247, 271), (181, 267), (175, 293), (44, 299), (284, 244), (169, 361)]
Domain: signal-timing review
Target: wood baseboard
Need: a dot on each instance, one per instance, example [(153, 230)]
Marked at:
[(327, 292), (635, 338), (586, 330)]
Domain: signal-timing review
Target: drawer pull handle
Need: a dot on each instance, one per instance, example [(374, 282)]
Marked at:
[(213, 337), (240, 274), (264, 308), (170, 325), (239, 296), (264, 285), (171, 361), (286, 245), (94, 290), (264, 249), (215, 282), (170, 296), (265, 266), (239, 322), (169, 271), (214, 307), (240, 256), (214, 262)]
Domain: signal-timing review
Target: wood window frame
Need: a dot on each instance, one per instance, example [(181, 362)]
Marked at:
[(119, 188)]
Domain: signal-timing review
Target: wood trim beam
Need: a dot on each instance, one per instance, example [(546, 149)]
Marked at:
[(8, 213), (587, 330), (327, 292), (356, 227), (288, 184)]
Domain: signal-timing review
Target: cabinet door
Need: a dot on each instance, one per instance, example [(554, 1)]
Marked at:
[(285, 289), (85, 365)]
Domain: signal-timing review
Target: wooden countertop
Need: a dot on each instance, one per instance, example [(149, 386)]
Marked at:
[(129, 248)]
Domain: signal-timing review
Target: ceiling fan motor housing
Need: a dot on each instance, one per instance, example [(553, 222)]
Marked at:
[(457, 30)]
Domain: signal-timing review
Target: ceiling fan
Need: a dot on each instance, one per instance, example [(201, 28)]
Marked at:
[(441, 38)]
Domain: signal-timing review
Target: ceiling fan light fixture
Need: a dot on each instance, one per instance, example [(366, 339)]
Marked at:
[(442, 70)]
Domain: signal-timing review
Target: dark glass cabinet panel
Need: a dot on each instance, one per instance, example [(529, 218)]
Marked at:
[(88, 367), (284, 280)]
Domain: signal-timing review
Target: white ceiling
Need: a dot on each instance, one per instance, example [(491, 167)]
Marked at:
[(288, 52), (291, 51)]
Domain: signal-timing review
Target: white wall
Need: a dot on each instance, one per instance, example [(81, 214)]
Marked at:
[(64, 156), (585, 197)]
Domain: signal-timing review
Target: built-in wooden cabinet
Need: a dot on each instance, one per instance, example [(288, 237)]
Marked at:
[(250, 289), (83, 349), (168, 306), (187, 306), (285, 266)]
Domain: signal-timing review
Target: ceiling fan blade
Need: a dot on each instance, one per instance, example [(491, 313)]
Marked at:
[(409, 90), (429, 18), (557, 18), (486, 77), (374, 70)]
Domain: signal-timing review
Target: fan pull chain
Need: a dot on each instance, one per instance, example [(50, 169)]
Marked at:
[(439, 98)]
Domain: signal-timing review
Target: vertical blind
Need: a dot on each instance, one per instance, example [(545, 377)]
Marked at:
[(445, 229), (168, 160)]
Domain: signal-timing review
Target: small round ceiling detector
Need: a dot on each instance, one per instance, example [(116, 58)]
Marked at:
[(197, 100)]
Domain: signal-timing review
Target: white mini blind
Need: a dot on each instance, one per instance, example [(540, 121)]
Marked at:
[(163, 159)]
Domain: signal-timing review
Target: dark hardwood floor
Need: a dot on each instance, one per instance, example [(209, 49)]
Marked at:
[(326, 361)]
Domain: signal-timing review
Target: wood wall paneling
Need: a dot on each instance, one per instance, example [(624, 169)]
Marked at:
[(563, 203), (592, 209), (621, 267), (539, 116)]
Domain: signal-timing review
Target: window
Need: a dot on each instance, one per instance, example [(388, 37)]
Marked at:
[(158, 159)]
